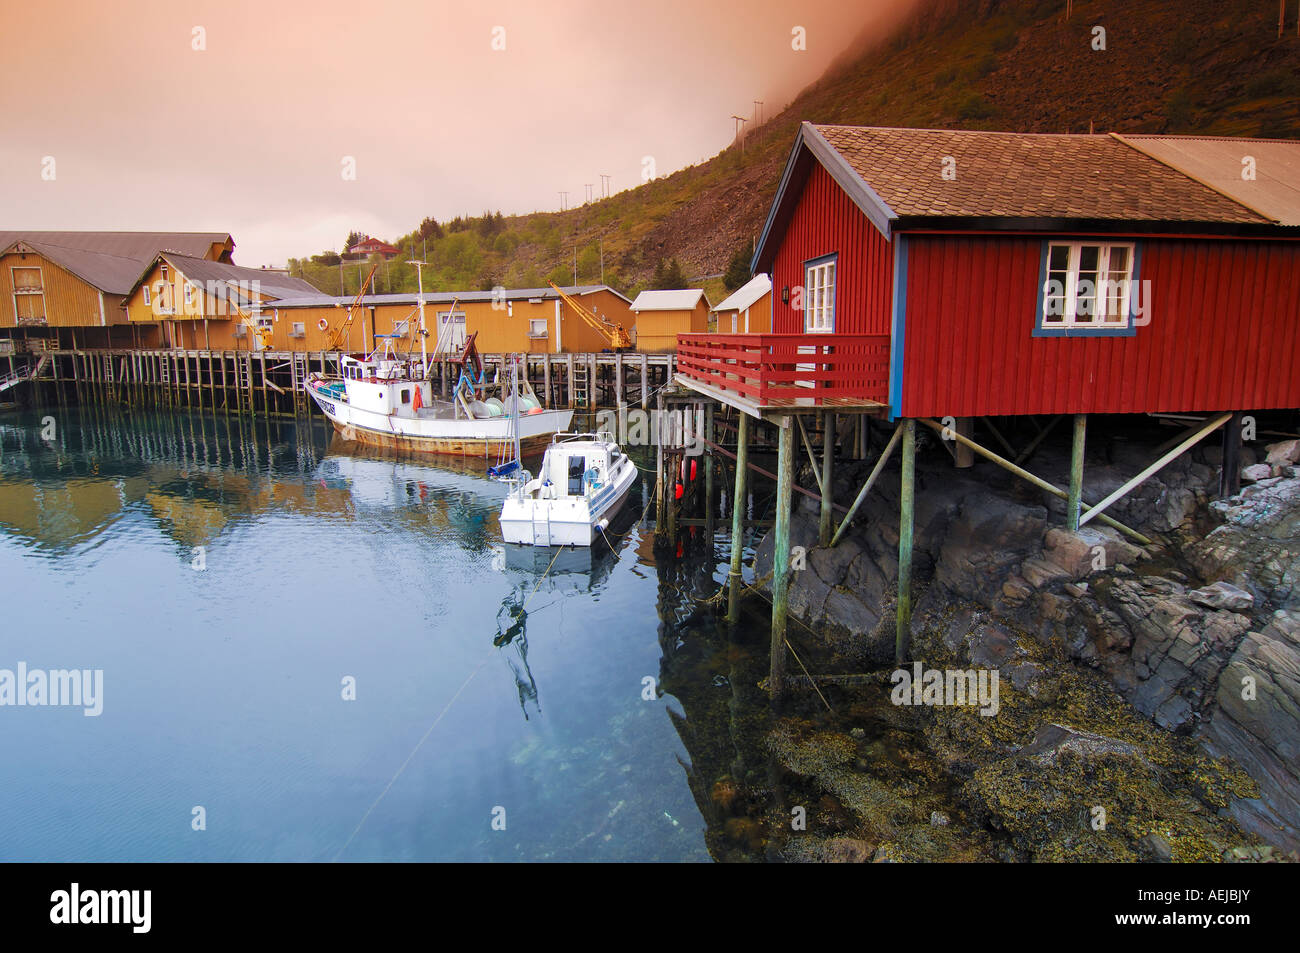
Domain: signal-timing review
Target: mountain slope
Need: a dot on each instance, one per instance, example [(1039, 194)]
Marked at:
[(1206, 66)]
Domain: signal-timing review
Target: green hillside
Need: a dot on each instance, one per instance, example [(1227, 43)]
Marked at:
[(1205, 66)]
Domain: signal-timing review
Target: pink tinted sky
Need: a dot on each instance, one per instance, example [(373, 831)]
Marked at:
[(248, 135)]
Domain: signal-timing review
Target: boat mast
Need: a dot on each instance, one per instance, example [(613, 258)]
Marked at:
[(424, 354), (514, 421)]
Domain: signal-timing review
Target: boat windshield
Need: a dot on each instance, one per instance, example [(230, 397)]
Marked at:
[(577, 466)]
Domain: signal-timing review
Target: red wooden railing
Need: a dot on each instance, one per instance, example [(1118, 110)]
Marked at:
[(777, 369)]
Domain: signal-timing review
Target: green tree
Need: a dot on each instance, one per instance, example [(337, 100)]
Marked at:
[(353, 238), (429, 228), (738, 272), (673, 276)]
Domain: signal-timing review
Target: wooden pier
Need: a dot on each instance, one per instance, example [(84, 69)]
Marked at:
[(271, 382)]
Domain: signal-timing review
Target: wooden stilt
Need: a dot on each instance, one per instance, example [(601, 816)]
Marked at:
[(738, 519), (828, 457), (1076, 473), (963, 458), (1230, 472), (708, 471), (903, 633), (781, 556)]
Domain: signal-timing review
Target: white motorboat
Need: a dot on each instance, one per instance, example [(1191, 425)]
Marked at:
[(583, 483)]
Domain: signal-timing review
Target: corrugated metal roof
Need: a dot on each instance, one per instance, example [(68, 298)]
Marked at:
[(1220, 161), (108, 273), (434, 297), (200, 270), (748, 293), (683, 300), (1015, 175), (141, 246), (110, 261)]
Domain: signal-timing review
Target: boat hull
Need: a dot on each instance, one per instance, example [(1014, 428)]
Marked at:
[(562, 522), (486, 438)]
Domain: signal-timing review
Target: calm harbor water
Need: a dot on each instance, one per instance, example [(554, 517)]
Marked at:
[(231, 578)]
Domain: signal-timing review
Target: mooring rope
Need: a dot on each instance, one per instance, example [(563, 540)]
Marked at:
[(446, 708)]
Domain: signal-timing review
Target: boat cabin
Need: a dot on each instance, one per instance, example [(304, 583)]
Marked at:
[(578, 464), (384, 386)]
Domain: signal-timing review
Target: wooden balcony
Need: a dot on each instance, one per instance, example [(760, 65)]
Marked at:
[(774, 373)]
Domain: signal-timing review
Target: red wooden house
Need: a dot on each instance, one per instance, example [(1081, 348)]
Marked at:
[(940, 273)]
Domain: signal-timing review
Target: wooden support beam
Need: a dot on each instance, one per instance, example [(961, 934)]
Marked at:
[(826, 516), (1230, 469), (871, 481), (737, 521), (1038, 482), (1028, 452), (1154, 468), (812, 457), (781, 557), (1076, 473), (997, 435), (906, 499)]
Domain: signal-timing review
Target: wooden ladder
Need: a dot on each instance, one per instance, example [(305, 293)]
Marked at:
[(580, 385)]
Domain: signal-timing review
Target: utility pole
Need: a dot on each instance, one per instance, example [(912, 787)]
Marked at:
[(563, 200), (740, 124), (588, 186), (604, 185)]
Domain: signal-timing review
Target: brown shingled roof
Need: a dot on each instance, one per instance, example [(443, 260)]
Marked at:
[(1014, 175)]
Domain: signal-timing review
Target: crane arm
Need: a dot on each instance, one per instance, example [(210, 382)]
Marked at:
[(614, 334), (337, 334)]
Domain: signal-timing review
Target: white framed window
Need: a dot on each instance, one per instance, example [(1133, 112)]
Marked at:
[(402, 328), (144, 289), (1087, 285), (189, 296), (819, 295), (298, 329), (537, 327)]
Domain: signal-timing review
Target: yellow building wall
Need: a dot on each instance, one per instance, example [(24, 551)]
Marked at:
[(760, 318), (211, 325), (656, 331), (354, 338), (68, 301)]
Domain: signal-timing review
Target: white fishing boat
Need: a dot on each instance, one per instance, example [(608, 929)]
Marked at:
[(386, 399), (583, 483)]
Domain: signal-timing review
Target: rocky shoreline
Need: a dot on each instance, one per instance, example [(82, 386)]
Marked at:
[(1157, 687)]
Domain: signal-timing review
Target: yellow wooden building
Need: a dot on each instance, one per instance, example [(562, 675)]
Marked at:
[(662, 315), (530, 320), (198, 304), (70, 287), (747, 310)]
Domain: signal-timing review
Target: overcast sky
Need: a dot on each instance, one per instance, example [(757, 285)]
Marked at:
[(250, 134)]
